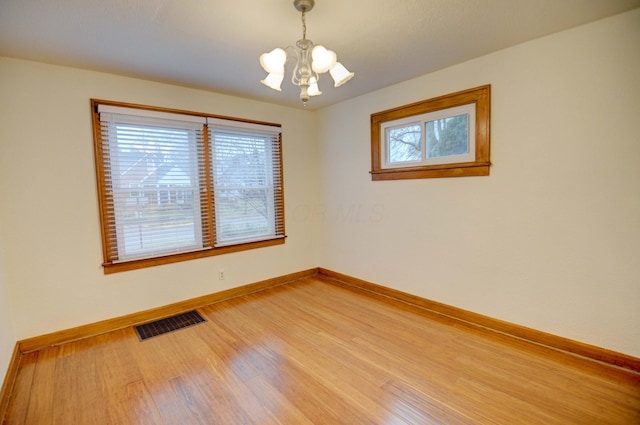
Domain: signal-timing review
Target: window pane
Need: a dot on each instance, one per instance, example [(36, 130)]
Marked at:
[(155, 191), (242, 213), (157, 221), (404, 143), (243, 186), (447, 136)]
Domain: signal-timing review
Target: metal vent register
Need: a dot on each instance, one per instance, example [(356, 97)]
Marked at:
[(169, 324)]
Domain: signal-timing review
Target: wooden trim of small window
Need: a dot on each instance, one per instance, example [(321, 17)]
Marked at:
[(480, 96)]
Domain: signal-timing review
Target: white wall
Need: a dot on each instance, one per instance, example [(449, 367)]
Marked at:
[(49, 210), (7, 334), (551, 239)]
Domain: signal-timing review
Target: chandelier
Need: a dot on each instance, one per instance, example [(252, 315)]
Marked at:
[(311, 61)]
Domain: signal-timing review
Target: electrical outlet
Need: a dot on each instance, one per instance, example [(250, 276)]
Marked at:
[(221, 274)]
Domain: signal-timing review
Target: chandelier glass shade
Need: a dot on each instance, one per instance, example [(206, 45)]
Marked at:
[(311, 61)]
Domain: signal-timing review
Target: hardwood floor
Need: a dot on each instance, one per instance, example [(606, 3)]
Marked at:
[(312, 352)]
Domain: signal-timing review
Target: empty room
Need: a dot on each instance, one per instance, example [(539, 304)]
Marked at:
[(319, 212)]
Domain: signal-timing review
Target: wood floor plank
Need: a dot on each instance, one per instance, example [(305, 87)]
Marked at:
[(42, 389), (312, 352), (140, 406), (21, 396), (119, 378), (418, 408)]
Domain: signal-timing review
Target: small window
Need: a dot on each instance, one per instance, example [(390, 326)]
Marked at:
[(442, 137), (174, 186)]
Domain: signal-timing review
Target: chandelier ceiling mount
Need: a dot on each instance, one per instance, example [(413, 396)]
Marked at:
[(304, 5)]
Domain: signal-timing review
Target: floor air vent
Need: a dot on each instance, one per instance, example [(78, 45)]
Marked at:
[(169, 324)]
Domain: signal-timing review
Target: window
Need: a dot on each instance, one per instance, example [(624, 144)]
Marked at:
[(446, 136), (244, 165), (177, 185), (440, 137)]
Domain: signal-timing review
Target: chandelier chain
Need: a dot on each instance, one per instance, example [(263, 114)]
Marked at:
[(304, 25)]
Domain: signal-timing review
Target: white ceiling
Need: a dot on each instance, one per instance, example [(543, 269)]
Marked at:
[(215, 44)]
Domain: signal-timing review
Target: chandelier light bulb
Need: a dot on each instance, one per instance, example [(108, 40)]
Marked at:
[(340, 74), (274, 60), (323, 59), (313, 87), (273, 80)]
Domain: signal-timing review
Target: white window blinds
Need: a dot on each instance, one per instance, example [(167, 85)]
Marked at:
[(168, 186), (247, 181), (154, 179)]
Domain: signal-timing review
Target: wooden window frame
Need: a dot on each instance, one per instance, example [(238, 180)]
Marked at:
[(207, 204), (479, 96)]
